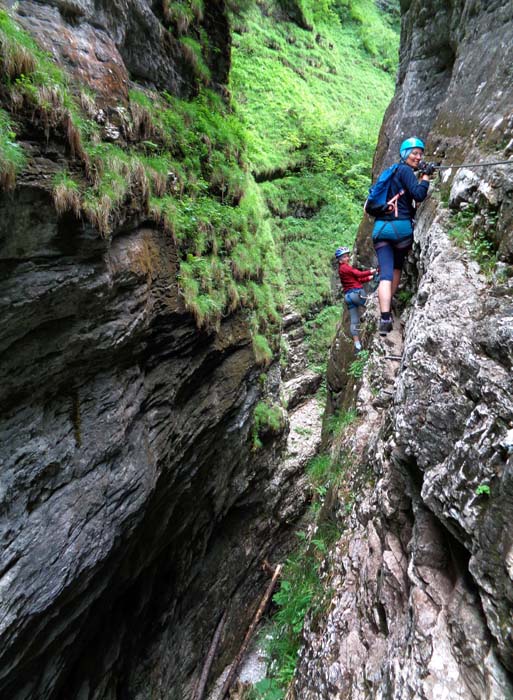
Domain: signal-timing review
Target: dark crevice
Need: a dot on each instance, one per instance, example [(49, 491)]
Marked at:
[(278, 173)]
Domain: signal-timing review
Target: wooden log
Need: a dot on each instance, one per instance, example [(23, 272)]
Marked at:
[(202, 683), (256, 619)]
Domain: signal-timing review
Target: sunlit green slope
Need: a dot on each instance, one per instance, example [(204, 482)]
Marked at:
[(313, 101)]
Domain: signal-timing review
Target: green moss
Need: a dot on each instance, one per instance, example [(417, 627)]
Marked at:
[(266, 418)]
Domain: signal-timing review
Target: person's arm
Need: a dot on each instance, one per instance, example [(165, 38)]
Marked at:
[(418, 190), (363, 275)]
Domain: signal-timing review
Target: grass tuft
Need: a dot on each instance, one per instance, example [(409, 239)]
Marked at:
[(17, 55), (12, 157), (194, 55), (66, 195)]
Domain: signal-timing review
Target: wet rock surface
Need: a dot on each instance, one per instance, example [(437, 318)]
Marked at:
[(422, 576), (129, 489)]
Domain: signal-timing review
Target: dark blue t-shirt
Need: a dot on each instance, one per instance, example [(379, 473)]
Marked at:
[(414, 191)]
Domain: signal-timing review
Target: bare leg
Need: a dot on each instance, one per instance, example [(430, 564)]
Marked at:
[(385, 294)]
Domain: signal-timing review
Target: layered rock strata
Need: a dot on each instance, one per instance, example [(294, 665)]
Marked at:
[(134, 507)]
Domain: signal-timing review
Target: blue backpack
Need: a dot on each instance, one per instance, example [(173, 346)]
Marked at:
[(378, 203)]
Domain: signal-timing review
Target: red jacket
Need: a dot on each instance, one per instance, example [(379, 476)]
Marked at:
[(351, 278)]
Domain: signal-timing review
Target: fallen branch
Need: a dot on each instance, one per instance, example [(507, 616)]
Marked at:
[(260, 611), (200, 689)]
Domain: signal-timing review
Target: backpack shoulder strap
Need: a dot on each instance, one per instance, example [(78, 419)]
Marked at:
[(392, 202)]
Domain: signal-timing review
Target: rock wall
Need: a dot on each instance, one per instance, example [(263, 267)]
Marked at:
[(422, 577), (134, 509)]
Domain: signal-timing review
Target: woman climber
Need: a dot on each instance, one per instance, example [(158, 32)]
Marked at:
[(392, 234), (352, 281)]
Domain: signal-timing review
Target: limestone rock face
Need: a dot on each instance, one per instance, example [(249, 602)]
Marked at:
[(422, 577)]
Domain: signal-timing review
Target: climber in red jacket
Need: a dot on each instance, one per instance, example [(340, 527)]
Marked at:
[(352, 281)]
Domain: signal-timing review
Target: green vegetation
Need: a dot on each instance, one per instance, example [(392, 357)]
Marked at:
[(188, 164), (404, 296), (313, 103), (183, 164), (301, 589), (319, 333), (182, 14), (338, 422), (357, 366), (266, 418), (12, 158), (474, 238), (483, 490)]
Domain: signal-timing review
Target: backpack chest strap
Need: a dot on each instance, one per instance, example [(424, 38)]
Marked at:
[(392, 203)]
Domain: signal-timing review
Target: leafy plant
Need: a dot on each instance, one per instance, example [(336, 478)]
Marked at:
[(473, 239), (483, 490), (357, 366), (300, 590), (266, 418), (336, 423), (404, 296), (266, 689)]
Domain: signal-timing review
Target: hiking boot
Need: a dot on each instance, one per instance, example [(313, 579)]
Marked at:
[(385, 326)]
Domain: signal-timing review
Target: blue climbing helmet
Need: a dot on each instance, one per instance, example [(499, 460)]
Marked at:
[(341, 251), (408, 146)]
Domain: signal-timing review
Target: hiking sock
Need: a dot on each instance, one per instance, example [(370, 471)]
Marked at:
[(386, 316)]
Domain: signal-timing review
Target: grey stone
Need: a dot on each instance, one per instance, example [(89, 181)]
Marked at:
[(422, 577)]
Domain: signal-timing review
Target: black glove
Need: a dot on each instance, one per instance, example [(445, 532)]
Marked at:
[(426, 168)]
